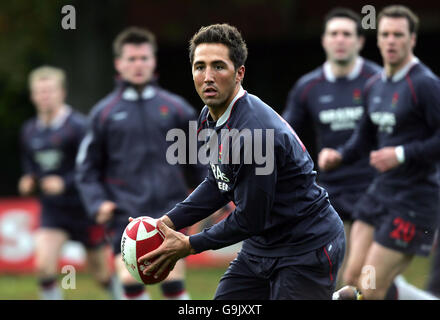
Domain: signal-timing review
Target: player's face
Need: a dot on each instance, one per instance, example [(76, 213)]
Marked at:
[(136, 63), (340, 40), (394, 40), (47, 95), (214, 74)]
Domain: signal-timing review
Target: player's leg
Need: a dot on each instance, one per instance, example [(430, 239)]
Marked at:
[(434, 277), (173, 287), (101, 271), (241, 280), (361, 238), (384, 265), (48, 245), (347, 230), (310, 276), (131, 288)]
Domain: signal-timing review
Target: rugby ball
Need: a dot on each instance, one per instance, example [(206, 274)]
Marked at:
[(140, 237)]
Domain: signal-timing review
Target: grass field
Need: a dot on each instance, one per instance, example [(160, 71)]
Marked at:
[(201, 284)]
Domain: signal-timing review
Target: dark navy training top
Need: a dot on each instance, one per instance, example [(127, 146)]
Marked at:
[(280, 210), (123, 157), (403, 111), (334, 106), (51, 150)]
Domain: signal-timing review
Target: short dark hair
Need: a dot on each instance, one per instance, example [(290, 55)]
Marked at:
[(399, 11), (341, 12), (224, 34), (133, 35)]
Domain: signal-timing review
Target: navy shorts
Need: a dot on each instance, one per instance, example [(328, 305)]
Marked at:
[(396, 228), (309, 276), (75, 221), (345, 204)]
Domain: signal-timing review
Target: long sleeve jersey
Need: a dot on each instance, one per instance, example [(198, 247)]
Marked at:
[(403, 111), (51, 150), (280, 210), (334, 106), (122, 158)]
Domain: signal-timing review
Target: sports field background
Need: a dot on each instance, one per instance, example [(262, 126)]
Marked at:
[(201, 284)]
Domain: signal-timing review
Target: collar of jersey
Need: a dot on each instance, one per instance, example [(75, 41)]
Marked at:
[(131, 94), (330, 76), (225, 116), (399, 75), (59, 119)]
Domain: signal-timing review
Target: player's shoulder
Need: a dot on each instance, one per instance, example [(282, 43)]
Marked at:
[(28, 125), (421, 74), (107, 102), (313, 76), (173, 99), (77, 118), (370, 68)]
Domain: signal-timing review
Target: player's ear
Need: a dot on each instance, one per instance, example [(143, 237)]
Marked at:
[(117, 64), (240, 74), (413, 40), (361, 42)]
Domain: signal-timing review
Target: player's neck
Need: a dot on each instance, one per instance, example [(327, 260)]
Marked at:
[(392, 69), (343, 69), (48, 116), (217, 111)]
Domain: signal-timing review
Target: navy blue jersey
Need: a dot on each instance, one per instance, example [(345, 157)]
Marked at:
[(403, 111), (279, 212), (334, 106), (123, 155), (52, 150)]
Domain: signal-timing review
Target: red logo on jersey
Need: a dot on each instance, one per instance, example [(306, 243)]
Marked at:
[(357, 96), (164, 111), (395, 99)]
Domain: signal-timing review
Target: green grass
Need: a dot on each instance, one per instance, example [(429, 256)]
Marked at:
[(200, 282)]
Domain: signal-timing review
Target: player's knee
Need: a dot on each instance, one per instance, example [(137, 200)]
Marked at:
[(374, 294), (350, 277)]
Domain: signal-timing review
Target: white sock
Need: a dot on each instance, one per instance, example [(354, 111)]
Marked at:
[(143, 296), (51, 293), (407, 291), (182, 296), (115, 288)]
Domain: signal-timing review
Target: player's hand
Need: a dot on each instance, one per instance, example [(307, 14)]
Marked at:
[(175, 246), (384, 159), (52, 185), (164, 219), (329, 159), (26, 185), (105, 212)]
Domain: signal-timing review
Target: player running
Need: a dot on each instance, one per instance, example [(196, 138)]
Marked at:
[(49, 145), (122, 169), (400, 132), (293, 238), (330, 97)]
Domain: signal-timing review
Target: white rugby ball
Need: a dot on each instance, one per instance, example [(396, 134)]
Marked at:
[(140, 237)]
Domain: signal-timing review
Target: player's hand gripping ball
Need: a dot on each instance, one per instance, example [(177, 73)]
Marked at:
[(140, 237)]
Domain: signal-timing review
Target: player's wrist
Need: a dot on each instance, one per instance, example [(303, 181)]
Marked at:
[(400, 154)]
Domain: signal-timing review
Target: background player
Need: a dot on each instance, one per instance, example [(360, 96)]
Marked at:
[(293, 239), (330, 97), (398, 217), (122, 169), (49, 145)]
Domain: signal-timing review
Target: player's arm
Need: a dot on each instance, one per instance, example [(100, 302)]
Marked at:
[(295, 112), (253, 196), (27, 182), (201, 203), (88, 171), (361, 142), (426, 151)]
